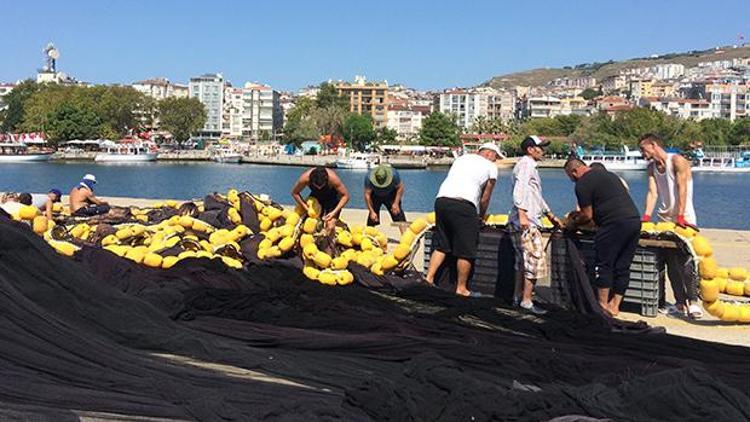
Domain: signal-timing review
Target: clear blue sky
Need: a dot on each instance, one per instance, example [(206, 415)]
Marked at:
[(289, 44)]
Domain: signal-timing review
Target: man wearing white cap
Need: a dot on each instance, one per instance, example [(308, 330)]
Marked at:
[(529, 207), (83, 202), (460, 206)]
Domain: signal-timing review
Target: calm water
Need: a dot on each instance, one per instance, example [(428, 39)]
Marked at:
[(721, 200)]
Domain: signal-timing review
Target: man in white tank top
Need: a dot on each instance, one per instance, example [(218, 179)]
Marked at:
[(670, 183)]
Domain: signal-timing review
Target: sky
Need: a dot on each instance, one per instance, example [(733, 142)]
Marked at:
[(427, 45)]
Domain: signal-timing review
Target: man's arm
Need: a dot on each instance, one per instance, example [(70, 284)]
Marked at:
[(651, 195), (342, 190), (682, 168), (484, 202), (584, 216), (399, 194), (48, 209), (521, 197), (90, 197), (302, 182), (368, 200)]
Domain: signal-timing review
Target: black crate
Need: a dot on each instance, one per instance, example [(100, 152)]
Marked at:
[(492, 273), (645, 277)]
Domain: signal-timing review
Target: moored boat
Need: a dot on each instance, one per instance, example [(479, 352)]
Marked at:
[(624, 160), (16, 152), (131, 152)]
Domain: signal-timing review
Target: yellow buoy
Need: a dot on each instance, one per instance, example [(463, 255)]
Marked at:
[(744, 313), (328, 278), (731, 313), (344, 278), (169, 261), (722, 283), (64, 248), (714, 308), (747, 287), (286, 244), (735, 288), (135, 255), (431, 217), (344, 238), (306, 239), (231, 262), (389, 262), (738, 274), (152, 260), (339, 263), (286, 231), (109, 240), (709, 290), (292, 219), (39, 224), (366, 244), (273, 252), (648, 227), (322, 259), (28, 212), (701, 246), (265, 224), (708, 268), (401, 251), (665, 226), (311, 272), (418, 225), (186, 221), (310, 225), (407, 238)]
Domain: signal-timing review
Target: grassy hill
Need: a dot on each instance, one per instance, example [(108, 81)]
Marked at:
[(600, 71)]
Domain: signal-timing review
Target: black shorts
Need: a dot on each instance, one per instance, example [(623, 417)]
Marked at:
[(378, 202), (91, 210), (456, 227)]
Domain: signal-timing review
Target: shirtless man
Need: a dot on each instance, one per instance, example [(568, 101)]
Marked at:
[(327, 188), (83, 202)]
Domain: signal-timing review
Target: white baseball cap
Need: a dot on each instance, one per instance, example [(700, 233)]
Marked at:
[(490, 146), (90, 177)]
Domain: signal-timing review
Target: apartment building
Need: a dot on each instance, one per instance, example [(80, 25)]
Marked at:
[(209, 90), (728, 100), (465, 105), (406, 120), (161, 88), (683, 108), (366, 98)]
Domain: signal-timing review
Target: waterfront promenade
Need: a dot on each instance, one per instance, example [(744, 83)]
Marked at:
[(731, 248)]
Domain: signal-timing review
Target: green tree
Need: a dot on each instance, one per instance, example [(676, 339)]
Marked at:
[(568, 124), (386, 136), (300, 125), (715, 131), (484, 124), (15, 101), (330, 119), (328, 96), (740, 133), (358, 131), (439, 129), (72, 121), (590, 93), (182, 117)]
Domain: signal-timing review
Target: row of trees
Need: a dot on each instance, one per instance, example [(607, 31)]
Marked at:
[(328, 115), (66, 112)]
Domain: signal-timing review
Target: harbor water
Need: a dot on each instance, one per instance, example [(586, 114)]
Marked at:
[(721, 200)]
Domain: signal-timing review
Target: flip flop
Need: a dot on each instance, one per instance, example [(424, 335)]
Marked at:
[(473, 295), (695, 312)]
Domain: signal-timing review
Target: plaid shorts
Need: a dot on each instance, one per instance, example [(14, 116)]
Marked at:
[(531, 258)]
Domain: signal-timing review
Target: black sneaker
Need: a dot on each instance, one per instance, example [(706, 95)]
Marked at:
[(530, 307)]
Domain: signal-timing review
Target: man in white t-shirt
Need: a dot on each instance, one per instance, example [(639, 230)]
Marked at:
[(460, 206)]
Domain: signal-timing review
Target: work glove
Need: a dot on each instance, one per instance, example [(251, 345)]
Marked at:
[(645, 218), (684, 224)]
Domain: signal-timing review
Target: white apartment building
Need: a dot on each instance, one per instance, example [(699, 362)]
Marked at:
[(681, 107), (231, 116), (209, 90), (545, 106), (406, 120), (614, 83), (667, 71), (160, 88), (262, 114), (466, 105)]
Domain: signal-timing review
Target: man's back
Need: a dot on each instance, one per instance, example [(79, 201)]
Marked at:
[(466, 177), (605, 192), (78, 197)]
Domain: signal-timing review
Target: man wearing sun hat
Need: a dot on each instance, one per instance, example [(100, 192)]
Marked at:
[(383, 186)]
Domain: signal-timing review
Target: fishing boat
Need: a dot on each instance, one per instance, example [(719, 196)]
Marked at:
[(624, 160), (356, 161), (226, 155), (18, 152), (125, 152)]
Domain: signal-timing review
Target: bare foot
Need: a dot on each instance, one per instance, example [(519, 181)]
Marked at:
[(463, 292), (614, 311)]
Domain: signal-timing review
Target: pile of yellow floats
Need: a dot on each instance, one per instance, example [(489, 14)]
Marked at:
[(714, 279)]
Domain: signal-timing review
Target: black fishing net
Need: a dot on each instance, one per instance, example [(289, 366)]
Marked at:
[(98, 333)]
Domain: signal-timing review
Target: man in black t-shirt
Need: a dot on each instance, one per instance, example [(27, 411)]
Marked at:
[(603, 199)]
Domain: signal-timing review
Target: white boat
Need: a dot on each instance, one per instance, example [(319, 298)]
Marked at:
[(723, 164), (356, 161), (15, 152), (625, 160), (226, 155), (125, 153)]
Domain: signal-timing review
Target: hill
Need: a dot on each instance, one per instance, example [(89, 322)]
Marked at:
[(600, 71)]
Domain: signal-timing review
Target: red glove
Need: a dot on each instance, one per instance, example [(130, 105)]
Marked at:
[(646, 218), (683, 223)]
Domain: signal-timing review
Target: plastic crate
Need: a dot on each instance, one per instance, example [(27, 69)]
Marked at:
[(645, 277), (489, 273)]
